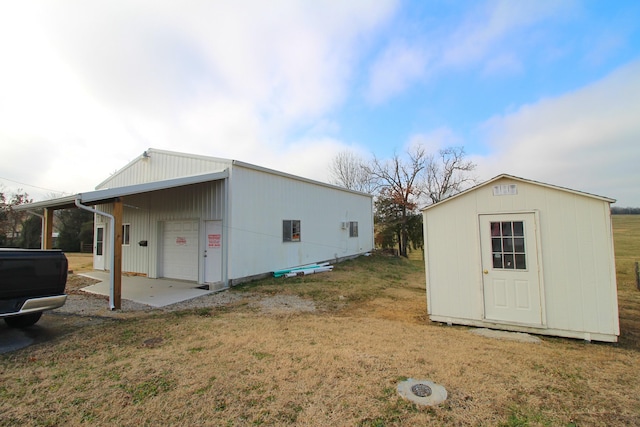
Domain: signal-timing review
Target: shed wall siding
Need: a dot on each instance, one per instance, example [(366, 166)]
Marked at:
[(452, 255), (260, 201), (576, 246)]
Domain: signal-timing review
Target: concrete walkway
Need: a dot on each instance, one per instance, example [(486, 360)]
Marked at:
[(153, 292)]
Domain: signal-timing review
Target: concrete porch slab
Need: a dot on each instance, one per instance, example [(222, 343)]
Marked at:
[(153, 292)]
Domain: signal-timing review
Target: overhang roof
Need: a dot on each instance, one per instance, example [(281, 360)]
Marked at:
[(106, 195), (515, 178)]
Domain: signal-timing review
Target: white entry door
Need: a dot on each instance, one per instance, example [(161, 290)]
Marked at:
[(180, 250), (99, 247), (510, 269), (213, 252)]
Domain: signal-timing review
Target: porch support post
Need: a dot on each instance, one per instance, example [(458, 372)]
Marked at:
[(117, 254), (47, 229), (112, 245)]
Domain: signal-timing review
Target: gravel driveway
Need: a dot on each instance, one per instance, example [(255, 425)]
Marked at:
[(87, 304)]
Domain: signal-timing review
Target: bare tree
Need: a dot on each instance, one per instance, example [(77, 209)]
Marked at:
[(10, 220), (398, 182), (349, 171), (447, 174)]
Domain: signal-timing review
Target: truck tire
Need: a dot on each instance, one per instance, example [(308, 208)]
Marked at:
[(23, 320)]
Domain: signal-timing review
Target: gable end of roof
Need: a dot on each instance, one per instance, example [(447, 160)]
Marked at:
[(524, 180)]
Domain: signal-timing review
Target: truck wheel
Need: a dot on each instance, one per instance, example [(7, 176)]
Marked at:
[(23, 320)]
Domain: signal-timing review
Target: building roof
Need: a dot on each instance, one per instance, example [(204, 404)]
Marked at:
[(230, 163), (100, 196), (108, 194), (148, 153), (515, 178)]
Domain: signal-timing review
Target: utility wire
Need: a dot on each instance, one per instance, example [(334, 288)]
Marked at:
[(34, 186)]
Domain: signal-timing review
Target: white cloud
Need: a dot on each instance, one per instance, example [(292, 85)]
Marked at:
[(87, 86), (398, 67), (435, 140), (309, 158), (586, 140), (488, 37), (291, 59), (503, 64), (491, 30)]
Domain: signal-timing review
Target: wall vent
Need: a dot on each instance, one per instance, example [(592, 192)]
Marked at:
[(505, 190)]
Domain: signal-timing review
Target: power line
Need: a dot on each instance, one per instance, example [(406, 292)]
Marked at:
[(34, 186)]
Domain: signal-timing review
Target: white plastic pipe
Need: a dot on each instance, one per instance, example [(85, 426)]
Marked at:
[(112, 245)]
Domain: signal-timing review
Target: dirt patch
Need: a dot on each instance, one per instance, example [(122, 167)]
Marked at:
[(83, 303), (284, 304), (75, 283)]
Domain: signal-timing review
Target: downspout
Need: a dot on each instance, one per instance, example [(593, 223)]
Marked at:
[(112, 242), (227, 227), (42, 228)]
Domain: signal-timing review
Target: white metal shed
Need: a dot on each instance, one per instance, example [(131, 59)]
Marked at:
[(520, 255), (217, 221), (214, 221)]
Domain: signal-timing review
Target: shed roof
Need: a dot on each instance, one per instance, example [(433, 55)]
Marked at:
[(516, 178)]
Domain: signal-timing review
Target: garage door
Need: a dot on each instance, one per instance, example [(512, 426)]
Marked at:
[(180, 250)]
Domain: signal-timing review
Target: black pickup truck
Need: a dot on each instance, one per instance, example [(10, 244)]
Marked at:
[(31, 281)]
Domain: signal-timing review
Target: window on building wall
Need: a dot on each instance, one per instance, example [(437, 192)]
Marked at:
[(126, 233), (291, 230), (99, 240), (353, 229)]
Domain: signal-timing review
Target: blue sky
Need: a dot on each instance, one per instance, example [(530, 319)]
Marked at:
[(546, 90)]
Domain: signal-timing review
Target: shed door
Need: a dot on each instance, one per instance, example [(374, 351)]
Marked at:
[(213, 252), (180, 250), (510, 269)]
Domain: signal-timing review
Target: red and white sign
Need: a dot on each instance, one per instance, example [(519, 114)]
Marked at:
[(181, 241), (214, 240)]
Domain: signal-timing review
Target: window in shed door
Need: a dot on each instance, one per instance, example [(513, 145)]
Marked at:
[(508, 246)]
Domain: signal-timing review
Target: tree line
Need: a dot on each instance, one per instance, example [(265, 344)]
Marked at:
[(401, 186), (624, 211), (22, 229)]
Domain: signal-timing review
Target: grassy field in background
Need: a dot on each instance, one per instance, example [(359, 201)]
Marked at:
[(626, 236), (80, 262), (339, 365)]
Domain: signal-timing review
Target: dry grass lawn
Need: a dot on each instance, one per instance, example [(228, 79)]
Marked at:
[(80, 262), (339, 365)]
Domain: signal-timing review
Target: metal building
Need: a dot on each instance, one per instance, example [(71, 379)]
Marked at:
[(216, 221), (237, 221), (520, 255)]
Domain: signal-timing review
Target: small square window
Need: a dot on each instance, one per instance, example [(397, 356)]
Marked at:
[(291, 230), (353, 229)]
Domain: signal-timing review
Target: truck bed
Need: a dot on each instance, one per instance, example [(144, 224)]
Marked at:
[(30, 274)]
